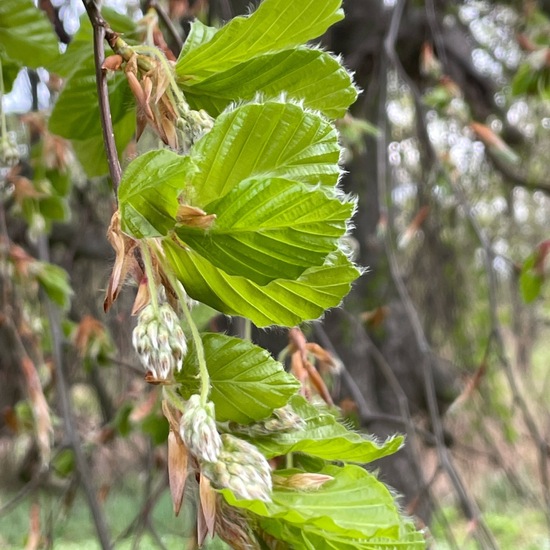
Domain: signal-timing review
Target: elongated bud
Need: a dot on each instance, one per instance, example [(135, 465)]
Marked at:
[(198, 430), (302, 482), (281, 421), (241, 468), (160, 342)]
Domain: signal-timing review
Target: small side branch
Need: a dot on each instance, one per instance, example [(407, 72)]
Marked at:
[(102, 31), (163, 16)]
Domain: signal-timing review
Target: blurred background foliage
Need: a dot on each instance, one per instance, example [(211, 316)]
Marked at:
[(444, 339)]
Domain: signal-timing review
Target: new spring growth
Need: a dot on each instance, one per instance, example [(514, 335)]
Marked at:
[(198, 430), (281, 421), (160, 342), (242, 469)]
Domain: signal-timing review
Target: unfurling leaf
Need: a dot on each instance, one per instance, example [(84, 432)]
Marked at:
[(247, 383)]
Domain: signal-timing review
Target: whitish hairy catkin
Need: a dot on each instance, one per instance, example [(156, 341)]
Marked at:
[(160, 342), (242, 469), (198, 430)]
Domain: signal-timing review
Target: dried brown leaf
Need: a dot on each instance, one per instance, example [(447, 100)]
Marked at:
[(177, 469), (193, 216), (208, 504), (40, 409), (125, 261)]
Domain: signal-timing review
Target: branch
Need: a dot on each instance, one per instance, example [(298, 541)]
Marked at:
[(427, 363), (174, 34), (102, 31), (73, 438), (512, 176)]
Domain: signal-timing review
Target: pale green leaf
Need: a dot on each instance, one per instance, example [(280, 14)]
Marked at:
[(275, 26), (312, 538), (55, 282), (268, 229), (199, 34), (26, 35), (530, 280), (281, 302), (324, 437), (148, 193), (10, 70), (309, 75), (91, 152), (272, 139), (247, 383), (354, 504)]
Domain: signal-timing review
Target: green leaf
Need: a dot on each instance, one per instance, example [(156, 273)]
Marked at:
[(91, 152), (312, 538), (312, 76), (64, 462), (275, 26), (353, 504), (76, 112), (148, 193), (530, 280), (55, 282), (10, 70), (268, 229), (247, 383), (54, 208), (324, 437), (272, 139), (26, 35), (156, 427), (199, 34), (121, 422), (281, 302), (76, 116)]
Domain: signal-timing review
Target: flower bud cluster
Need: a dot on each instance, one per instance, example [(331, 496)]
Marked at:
[(241, 468), (160, 342), (193, 125), (198, 430), (281, 421), (9, 153)]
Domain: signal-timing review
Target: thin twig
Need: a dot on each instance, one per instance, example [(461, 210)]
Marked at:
[(102, 32), (174, 34), (35, 482)]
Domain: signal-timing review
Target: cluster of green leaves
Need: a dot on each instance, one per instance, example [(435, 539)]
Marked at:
[(278, 262), (267, 173), (533, 75), (351, 510), (26, 39), (268, 170)]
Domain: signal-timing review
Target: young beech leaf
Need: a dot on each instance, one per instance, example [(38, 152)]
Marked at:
[(353, 505), (283, 302), (247, 383), (26, 35), (267, 229), (271, 139), (309, 537), (148, 193), (275, 26), (312, 76)]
